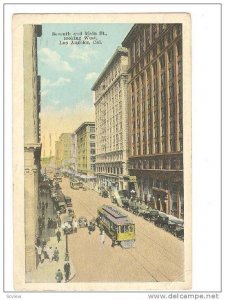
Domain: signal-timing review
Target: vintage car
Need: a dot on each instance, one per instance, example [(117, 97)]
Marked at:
[(133, 205), (104, 193), (125, 203), (161, 220), (151, 214), (67, 224), (91, 226), (68, 201), (61, 207), (82, 222), (140, 209), (71, 212), (179, 232), (174, 225)]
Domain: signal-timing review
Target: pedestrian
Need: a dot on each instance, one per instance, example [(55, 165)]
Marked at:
[(50, 254), (103, 237), (67, 270), (58, 235), (75, 225), (38, 241), (49, 223), (59, 221), (59, 276), (46, 205), (56, 254), (45, 251), (40, 229), (43, 222), (39, 252)]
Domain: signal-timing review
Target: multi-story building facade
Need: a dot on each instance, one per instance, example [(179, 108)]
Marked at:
[(63, 151), (65, 140), (58, 154), (86, 148), (156, 114), (111, 117), (74, 153), (32, 145)]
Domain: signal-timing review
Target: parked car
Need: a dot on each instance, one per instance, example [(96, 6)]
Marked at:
[(104, 193), (61, 207), (68, 201), (174, 225), (91, 226), (140, 209), (161, 220), (151, 214), (67, 224), (71, 212), (82, 222), (179, 232)]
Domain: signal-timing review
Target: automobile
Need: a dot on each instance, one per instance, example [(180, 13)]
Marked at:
[(174, 224), (71, 212), (161, 220), (140, 209), (125, 203), (68, 201), (132, 205), (61, 207), (91, 226), (58, 177), (82, 222), (67, 224), (151, 214), (179, 232), (104, 193)]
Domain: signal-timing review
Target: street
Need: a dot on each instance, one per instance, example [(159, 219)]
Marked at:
[(157, 255)]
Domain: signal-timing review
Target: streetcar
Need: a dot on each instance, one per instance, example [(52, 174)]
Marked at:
[(117, 226), (76, 185)]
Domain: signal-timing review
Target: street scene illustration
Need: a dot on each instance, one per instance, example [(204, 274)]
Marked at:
[(103, 153)]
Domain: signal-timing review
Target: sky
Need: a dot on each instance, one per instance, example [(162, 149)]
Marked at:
[(68, 70)]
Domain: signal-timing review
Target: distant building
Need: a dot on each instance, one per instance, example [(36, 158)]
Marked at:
[(156, 114), (86, 148), (63, 151), (111, 114), (32, 146), (58, 154), (74, 153)]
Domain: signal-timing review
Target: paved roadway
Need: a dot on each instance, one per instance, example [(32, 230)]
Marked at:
[(157, 255)]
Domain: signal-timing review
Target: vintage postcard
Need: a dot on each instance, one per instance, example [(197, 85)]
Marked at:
[(102, 152)]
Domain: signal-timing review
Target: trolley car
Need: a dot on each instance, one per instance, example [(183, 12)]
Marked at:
[(76, 185), (117, 225)]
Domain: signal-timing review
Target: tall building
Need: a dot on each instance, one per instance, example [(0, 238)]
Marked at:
[(156, 114), (32, 145), (86, 148), (110, 92), (74, 152), (58, 154), (63, 151)]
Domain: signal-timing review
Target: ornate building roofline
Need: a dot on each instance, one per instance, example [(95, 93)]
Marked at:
[(119, 52)]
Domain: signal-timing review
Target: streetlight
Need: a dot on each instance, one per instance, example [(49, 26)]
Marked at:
[(66, 228)]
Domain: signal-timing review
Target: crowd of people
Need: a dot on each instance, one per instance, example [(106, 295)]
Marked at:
[(46, 253)]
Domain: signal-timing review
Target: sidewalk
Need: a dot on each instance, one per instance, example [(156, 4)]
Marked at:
[(46, 271)]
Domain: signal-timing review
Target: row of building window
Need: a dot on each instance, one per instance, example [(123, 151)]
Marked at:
[(149, 37), (139, 86), (143, 148), (110, 170), (158, 164)]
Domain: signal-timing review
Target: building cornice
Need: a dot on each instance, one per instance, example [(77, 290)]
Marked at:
[(119, 52), (84, 125)]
